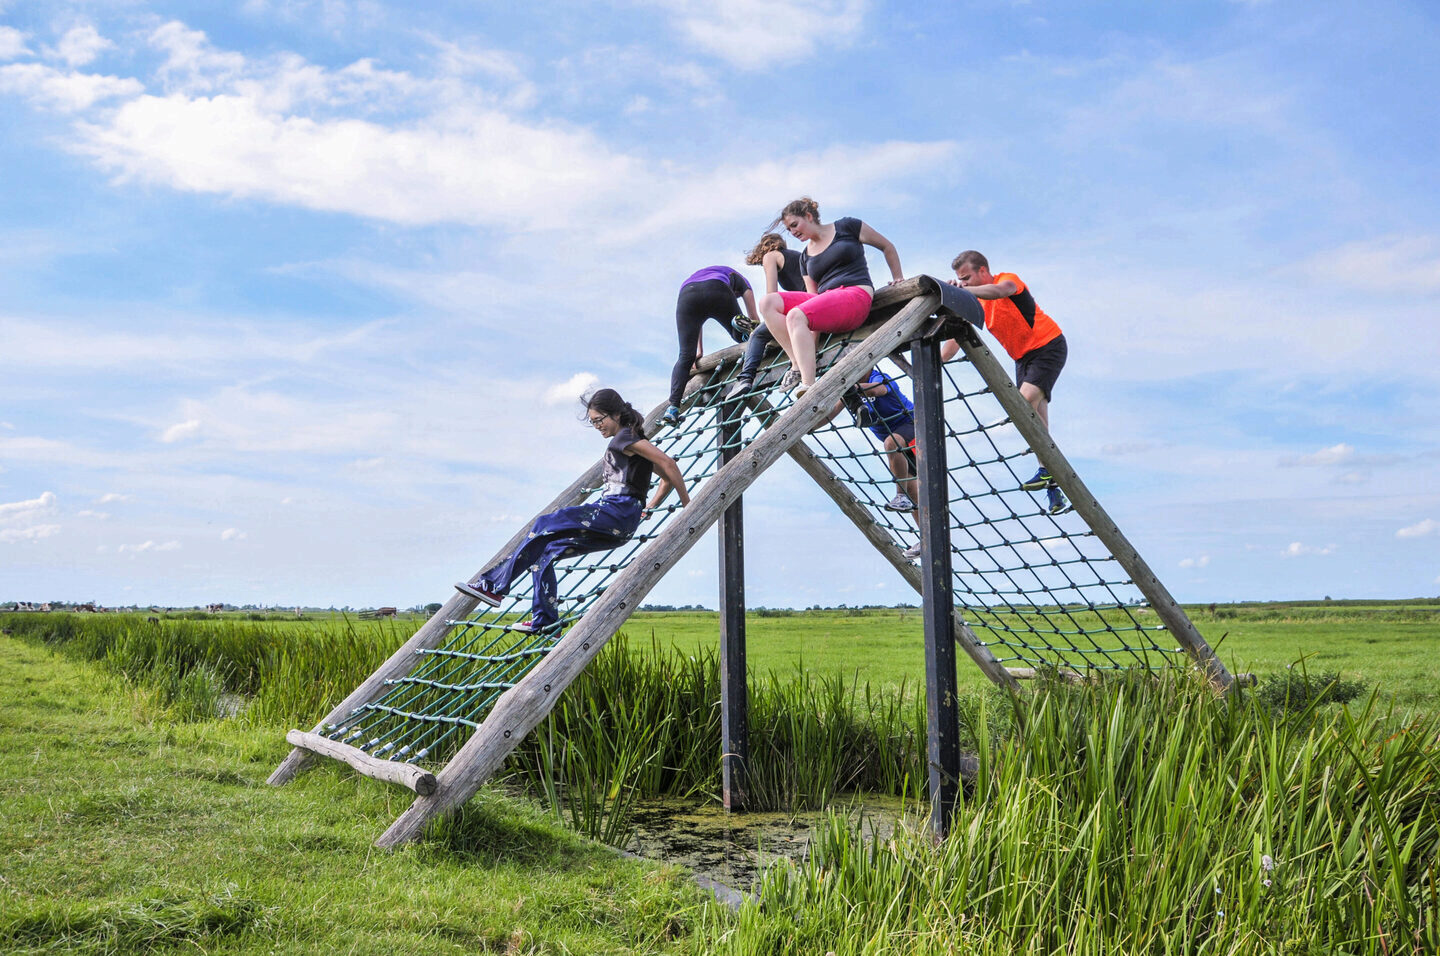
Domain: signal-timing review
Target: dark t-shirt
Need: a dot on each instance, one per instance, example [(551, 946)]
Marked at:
[(626, 474), (843, 261), (791, 277)]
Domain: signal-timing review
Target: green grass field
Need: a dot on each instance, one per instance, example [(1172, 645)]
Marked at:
[(132, 820), (1393, 647)]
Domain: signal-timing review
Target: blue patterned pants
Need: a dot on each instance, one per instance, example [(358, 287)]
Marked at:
[(600, 526)]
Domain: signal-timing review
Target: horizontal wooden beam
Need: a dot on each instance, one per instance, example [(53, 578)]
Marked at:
[(408, 775)]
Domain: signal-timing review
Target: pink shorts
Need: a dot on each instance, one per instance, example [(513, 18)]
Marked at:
[(838, 310)]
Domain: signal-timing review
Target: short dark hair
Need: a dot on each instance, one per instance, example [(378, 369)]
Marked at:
[(969, 258)]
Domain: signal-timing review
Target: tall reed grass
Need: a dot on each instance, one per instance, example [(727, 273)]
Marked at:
[(1142, 817)]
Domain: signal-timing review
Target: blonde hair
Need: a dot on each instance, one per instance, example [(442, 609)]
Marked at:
[(804, 208), (770, 242)]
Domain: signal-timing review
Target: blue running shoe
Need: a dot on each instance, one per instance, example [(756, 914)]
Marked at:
[(1041, 479), (671, 416), (1058, 504)]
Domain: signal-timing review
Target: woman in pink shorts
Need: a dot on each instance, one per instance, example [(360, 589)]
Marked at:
[(837, 278)]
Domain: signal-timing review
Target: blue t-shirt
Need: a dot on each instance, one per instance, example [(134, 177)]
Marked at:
[(891, 410)]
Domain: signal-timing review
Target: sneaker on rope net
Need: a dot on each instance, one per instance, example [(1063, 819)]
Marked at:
[(913, 551), (740, 386), (791, 379), (1058, 504), (1041, 479), (901, 502), (526, 626), (478, 593), (743, 326), (671, 416), (801, 389)]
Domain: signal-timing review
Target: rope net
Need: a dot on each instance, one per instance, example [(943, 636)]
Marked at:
[(1039, 590)]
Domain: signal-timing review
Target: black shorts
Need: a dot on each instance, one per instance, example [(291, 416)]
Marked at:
[(1041, 367)]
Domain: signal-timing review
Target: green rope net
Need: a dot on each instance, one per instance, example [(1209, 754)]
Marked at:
[(1039, 590)]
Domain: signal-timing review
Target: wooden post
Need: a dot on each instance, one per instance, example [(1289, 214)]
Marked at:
[(940, 680), (1086, 505), (734, 694), (519, 709)]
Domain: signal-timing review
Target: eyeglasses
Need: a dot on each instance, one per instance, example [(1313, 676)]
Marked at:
[(597, 422)]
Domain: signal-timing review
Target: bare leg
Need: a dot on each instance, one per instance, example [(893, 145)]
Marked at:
[(1032, 394), (802, 345), (772, 310)]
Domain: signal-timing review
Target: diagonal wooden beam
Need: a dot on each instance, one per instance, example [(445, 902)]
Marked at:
[(517, 711)]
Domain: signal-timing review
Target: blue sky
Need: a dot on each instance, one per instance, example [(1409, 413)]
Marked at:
[(295, 296)]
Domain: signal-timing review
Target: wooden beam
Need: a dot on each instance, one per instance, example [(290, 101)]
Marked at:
[(519, 709), (1033, 431), (457, 607), (416, 778)]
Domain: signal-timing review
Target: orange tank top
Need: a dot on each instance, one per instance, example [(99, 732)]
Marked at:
[(1016, 321)]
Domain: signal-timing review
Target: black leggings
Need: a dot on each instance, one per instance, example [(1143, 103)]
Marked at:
[(708, 299)]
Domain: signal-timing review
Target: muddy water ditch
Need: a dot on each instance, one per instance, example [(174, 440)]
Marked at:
[(732, 850)]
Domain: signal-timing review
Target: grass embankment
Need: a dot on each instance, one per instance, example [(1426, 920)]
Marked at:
[(123, 831)]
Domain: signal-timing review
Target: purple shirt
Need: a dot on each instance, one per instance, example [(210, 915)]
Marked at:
[(737, 283)]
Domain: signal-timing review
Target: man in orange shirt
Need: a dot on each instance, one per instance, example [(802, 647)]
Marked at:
[(1031, 338)]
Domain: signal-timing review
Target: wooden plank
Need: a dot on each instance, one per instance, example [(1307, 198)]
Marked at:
[(517, 712), (1088, 507), (457, 607), (408, 775)]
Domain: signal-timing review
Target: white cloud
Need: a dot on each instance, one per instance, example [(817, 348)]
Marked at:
[(753, 34), (571, 389), (80, 45), (1296, 549), (233, 534), (111, 497), (34, 533), (12, 43), (367, 464), (1200, 562), (1391, 265), (148, 546), (68, 92), (180, 431), (1421, 529), (14, 509), (1334, 455), (97, 515)]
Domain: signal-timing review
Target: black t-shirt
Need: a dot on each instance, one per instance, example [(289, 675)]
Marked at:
[(791, 277), (626, 474), (843, 261)]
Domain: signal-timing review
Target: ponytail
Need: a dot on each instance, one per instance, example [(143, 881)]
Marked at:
[(770, 242), (607, 401), (804, 208)]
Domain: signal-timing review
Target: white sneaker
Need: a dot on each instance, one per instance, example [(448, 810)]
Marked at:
[(913, 551), (801, 389), (901, 502)]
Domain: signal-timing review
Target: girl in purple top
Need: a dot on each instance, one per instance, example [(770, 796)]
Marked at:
[(629, 463), (714, 292), (837, 279)]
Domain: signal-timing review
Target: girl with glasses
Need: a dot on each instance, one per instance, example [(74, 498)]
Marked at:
[(628, 466)]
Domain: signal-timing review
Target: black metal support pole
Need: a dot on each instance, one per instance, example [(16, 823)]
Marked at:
[(734, 699), (934, 520)]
